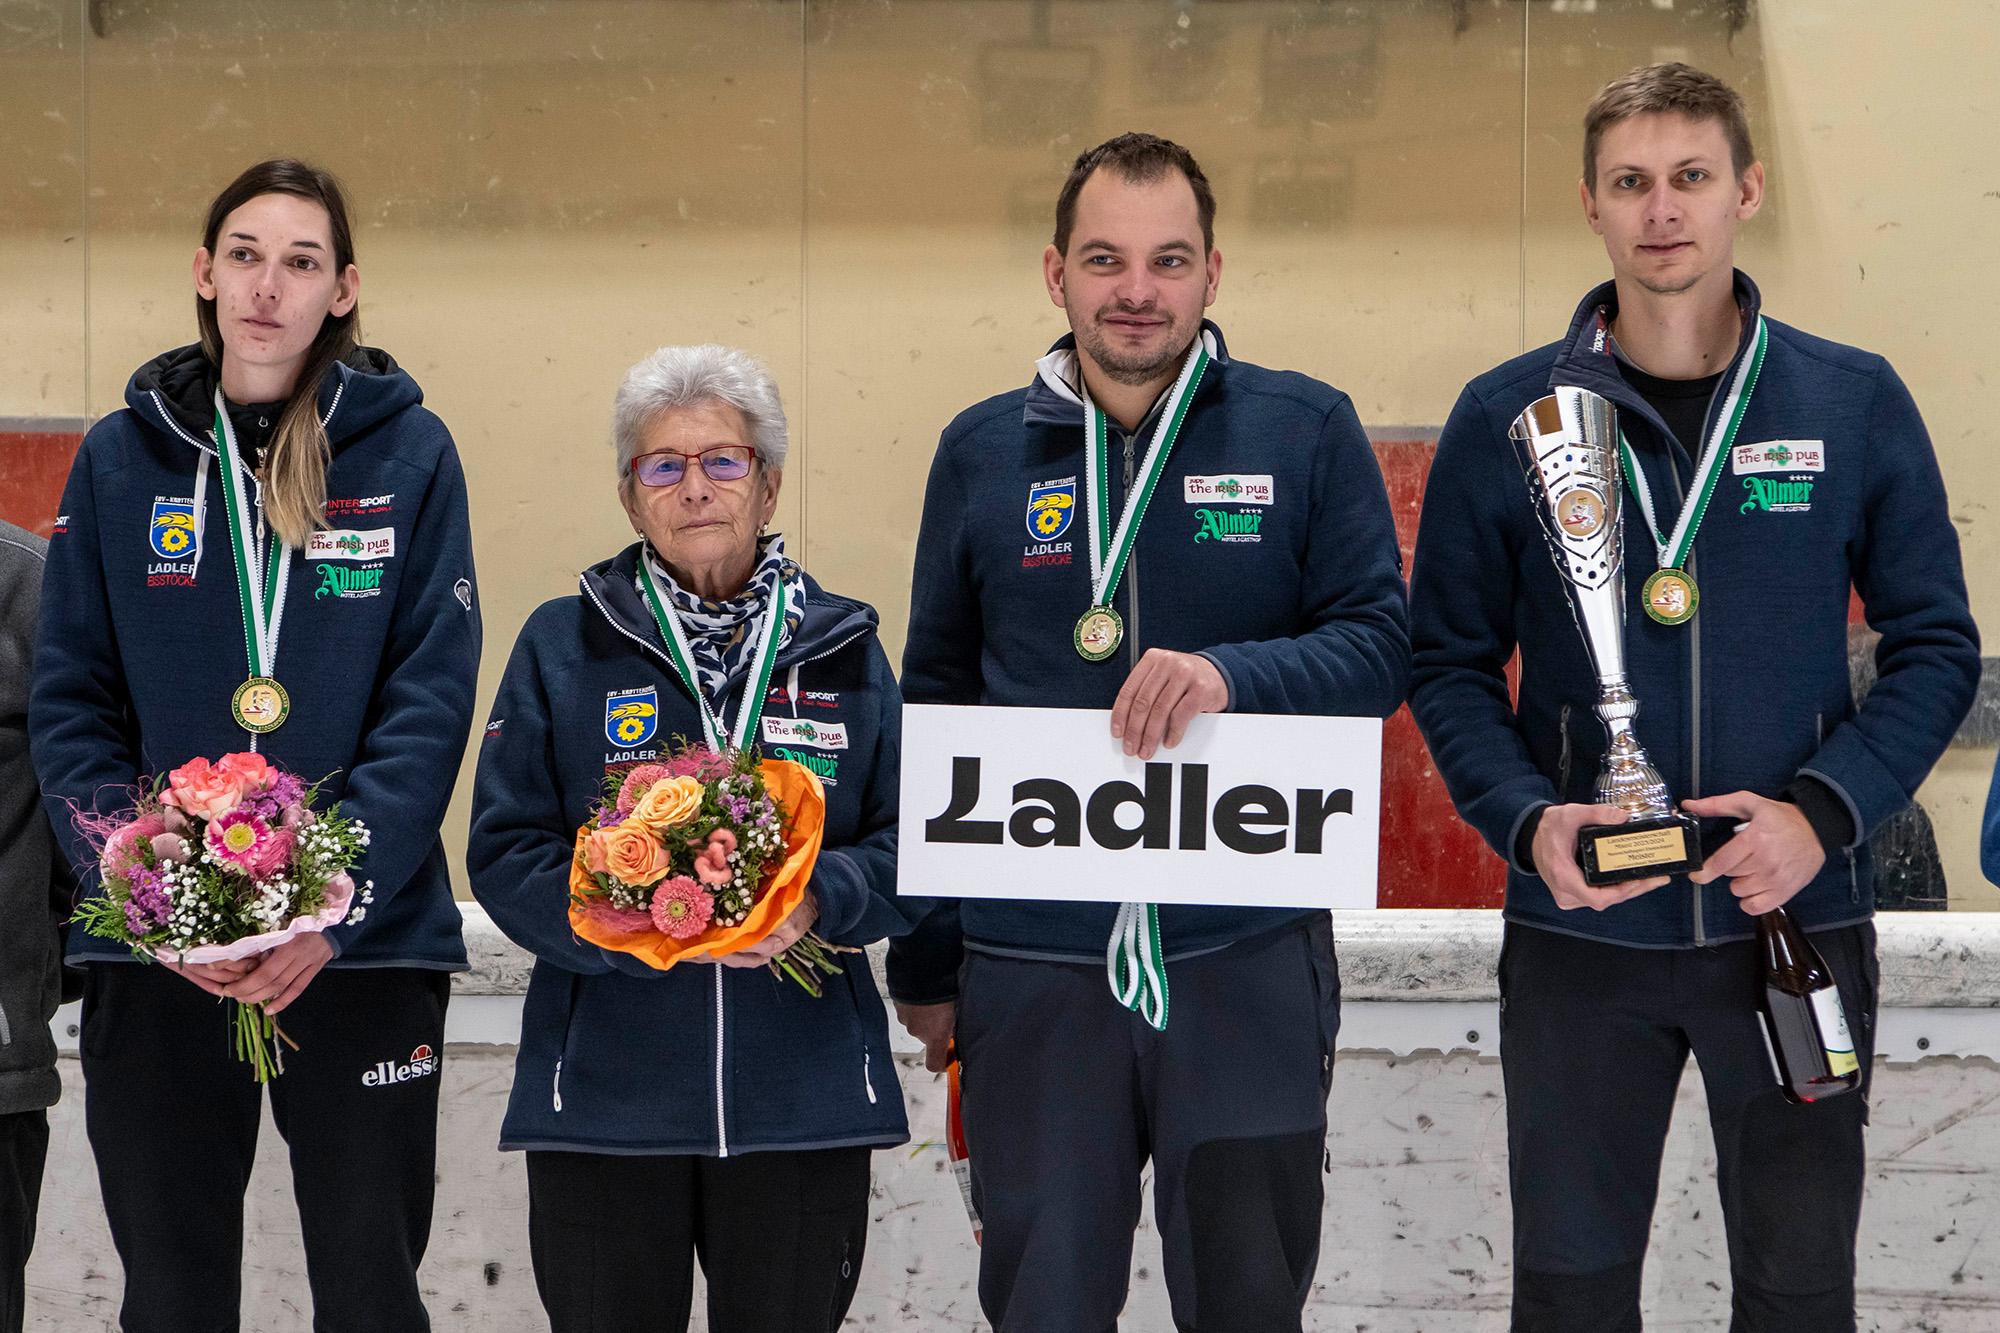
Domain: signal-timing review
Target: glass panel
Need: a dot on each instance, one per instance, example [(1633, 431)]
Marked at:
[(1366, 163), (543, 194), (1365, 158), (1575, 47), (42, 256)]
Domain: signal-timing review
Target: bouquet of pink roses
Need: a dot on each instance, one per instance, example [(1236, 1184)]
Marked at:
[(700, 856), (223, 861)]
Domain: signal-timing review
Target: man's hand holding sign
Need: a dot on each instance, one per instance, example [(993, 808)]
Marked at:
[(1162, 696)]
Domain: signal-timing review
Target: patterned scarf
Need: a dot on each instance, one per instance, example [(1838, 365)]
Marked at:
[(723, 635)]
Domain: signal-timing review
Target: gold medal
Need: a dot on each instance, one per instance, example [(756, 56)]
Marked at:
[(1670, 596), (1098, 633), (260, 705)]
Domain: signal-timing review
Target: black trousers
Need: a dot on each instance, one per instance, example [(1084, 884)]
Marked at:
[(780, 1235), (1066, 1095), (173, 1115), (1593, 1040), (24, 1148)]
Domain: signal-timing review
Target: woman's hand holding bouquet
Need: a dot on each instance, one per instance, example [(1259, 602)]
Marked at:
[(219, 864), (706, 857)]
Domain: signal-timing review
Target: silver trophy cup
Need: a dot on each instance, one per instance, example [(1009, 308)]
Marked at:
[(1568, 443)]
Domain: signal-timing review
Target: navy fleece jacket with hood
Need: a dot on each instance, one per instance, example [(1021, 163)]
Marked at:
[(1300, 604), (616, 1056), (1832, 482), (142, 646)]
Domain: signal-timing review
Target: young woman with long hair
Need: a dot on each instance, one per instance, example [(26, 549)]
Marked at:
[(356, 504)]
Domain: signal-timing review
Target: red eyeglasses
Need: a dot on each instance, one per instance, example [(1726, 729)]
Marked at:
[(725, 462)]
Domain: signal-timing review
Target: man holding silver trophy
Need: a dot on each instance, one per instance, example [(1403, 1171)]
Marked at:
[(1665, 512)]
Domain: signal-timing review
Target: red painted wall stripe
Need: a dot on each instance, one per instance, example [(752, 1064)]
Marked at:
[(34, 464), (1429, 856)]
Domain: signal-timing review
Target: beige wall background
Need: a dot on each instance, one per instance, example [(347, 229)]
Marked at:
[(859, 190)]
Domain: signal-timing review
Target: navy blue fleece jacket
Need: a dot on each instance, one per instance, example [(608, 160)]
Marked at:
[(1832, 482), (141, 644), (616, 1056), (1268, 548)]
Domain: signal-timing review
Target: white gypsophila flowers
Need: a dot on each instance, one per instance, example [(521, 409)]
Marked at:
[(272, 903)]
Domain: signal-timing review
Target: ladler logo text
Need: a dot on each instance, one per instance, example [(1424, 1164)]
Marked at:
[(1250, 818)]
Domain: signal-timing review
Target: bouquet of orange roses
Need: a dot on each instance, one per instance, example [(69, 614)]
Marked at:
[(702, 855)]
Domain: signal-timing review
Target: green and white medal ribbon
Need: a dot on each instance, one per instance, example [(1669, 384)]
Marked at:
[(761, 662), (1132, 959), (1138, 973), (260, 704), (1099, 630), (1670, 595)]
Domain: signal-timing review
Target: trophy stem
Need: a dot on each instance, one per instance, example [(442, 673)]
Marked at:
[(1628, 780), (1568, 447)]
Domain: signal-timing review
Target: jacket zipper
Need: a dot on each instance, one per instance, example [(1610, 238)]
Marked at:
[(1853, 876), (1131, 564), (1694, 700), (721, 1125), (1694, 638), (721, 1120), (866, 1081), (569, 1027), (1562, 769)]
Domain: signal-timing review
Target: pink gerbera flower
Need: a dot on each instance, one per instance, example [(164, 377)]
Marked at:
[(681, 908), (248, 843), (636, 784)]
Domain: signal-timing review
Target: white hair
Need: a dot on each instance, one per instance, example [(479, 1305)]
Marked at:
[(684, 376)]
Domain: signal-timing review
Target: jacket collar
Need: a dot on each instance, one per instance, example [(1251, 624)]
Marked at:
[(830, 622), (1053, 396), (1585, 359), (175, 392)]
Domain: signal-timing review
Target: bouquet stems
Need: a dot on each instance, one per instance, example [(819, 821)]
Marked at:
[(808, 961), (258, 1039)]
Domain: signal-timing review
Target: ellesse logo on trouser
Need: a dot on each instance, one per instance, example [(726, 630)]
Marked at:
[(422, 1061)]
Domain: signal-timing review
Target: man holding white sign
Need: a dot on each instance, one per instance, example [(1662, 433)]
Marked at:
[(1250, 502)]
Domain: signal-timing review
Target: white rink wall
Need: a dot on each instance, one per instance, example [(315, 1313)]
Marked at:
[(1416, 1231)]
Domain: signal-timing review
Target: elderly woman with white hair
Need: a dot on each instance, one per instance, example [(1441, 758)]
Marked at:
[(711, 1109)]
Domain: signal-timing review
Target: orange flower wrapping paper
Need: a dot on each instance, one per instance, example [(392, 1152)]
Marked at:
[(801, 796)]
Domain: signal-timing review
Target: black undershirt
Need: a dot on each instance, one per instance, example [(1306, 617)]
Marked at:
[(1682, 404)]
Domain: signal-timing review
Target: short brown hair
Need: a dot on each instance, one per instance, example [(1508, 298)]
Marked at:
[(1141, 159), (1652, 89)]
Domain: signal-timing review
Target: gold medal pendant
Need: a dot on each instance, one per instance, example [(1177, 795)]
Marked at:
[(1098, 633), (1670, 596), (260, 705)]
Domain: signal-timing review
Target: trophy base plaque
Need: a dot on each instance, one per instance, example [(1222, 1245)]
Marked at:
[(1639, 849)]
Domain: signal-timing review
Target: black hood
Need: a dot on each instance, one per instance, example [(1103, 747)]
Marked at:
[(176, 392)]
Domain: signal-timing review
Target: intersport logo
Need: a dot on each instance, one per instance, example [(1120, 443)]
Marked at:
[(423, 1061)]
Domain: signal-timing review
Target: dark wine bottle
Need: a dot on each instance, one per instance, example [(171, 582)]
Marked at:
[(1805, 1029)]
